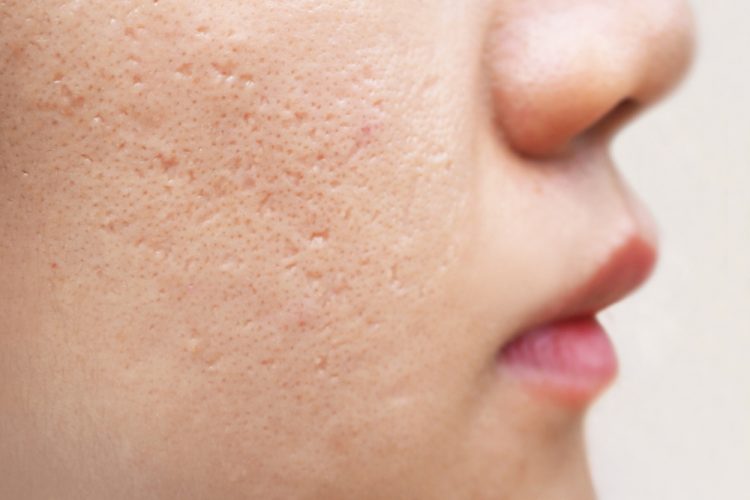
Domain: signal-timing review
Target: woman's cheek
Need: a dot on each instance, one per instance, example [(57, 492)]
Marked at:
[(246, 237)]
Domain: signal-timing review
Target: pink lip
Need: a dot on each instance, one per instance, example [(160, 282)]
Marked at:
[(568, 356), (570, 361)]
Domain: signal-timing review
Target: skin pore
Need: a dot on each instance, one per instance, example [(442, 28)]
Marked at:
[(255, 249)]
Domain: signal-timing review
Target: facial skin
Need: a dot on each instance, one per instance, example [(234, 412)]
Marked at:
[(269, 250)]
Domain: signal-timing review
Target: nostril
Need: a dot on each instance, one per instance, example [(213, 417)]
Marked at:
[(599, 128), (555, 119), (613, 121)]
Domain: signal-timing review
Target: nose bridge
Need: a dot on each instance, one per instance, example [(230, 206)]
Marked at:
[(558, 67)]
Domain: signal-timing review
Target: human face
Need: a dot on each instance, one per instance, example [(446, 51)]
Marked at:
[(279, 250)]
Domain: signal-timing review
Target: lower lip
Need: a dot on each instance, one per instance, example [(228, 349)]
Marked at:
[(570, 362)]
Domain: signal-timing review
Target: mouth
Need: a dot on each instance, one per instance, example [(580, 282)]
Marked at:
[(566, 355)]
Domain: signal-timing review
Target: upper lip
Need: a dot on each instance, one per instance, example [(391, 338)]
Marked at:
[(624, 269)]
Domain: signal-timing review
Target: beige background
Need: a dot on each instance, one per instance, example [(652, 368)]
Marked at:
[(677, 423)]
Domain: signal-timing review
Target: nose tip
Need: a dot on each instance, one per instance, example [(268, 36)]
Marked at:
[(558, 69)]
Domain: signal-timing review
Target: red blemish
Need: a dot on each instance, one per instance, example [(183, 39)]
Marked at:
[(367, 132), (167, 161), (53, 265)]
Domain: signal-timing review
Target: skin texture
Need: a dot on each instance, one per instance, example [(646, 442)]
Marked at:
[(269, 250)]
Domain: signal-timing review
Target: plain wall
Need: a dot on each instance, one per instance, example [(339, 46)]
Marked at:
[(676, 425)]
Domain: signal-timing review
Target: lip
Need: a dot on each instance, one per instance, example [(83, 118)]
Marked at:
[(566, 355), (623, 271), (569, 361)]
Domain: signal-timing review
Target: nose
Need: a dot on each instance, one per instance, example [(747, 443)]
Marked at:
[(561, 68)]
